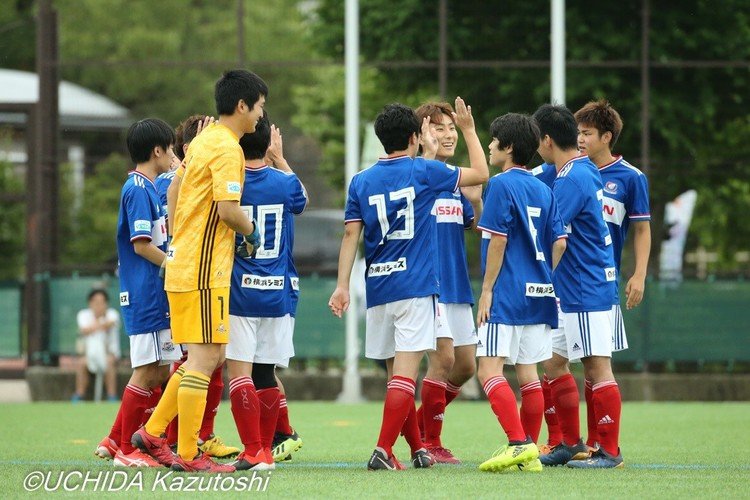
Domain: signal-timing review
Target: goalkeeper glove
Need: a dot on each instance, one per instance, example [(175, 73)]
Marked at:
[(250, 243)]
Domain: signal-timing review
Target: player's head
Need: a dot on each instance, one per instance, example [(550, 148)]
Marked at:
[(186, 132), (557, 129), (98, 300), (151, 140), (599, 126), (243, 93), (254, 145), (442, 126), (397, 127), (515, 137)]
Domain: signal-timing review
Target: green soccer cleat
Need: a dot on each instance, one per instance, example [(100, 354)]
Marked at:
[(284, 445), (511, 455), (530, 466)]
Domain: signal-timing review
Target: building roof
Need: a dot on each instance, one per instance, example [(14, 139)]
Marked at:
[(79, 107)]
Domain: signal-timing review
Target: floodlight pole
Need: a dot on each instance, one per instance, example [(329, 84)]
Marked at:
[(557, 56), (352, 383)]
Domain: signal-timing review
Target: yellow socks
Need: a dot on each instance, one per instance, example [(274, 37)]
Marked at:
[(191, 403), (166, 410)]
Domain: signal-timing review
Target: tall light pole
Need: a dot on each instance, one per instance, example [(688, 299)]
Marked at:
[(557, 56)]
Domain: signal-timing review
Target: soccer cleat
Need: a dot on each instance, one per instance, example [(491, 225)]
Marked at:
[(156, 447), (544, 449), (562, 454), (600, 459), (510, 455), (261, 461), (106, 449), (399, 465), (530, 466), (215, 447), (378, 461), (135, 459), (421, 459), (442, 455), (201, 463), (284, 445), (582, 455)]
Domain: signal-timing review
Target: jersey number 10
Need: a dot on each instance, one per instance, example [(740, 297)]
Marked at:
[(264, 211)]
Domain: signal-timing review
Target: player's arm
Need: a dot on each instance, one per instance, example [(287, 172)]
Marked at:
[(339, 301), (144, 248), (232, 215), (558, 249), (495, 255), (275, 157), (642, 248), (478, 173), (474, 195)]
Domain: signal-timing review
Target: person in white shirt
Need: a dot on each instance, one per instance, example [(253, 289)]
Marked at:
[(99, 334)]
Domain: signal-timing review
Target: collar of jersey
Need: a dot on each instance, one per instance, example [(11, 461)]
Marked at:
[(256, 169), (400, 157), (575, 158), (616, 160), (135, 172), (518, 168)]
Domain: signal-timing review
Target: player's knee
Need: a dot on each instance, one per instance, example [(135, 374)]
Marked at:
[(264, 376)]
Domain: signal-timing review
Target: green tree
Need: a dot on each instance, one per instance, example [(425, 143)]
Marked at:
[(12, 223)]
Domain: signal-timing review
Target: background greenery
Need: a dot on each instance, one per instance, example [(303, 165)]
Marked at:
[(161, 59)]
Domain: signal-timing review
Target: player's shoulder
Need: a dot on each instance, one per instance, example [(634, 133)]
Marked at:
[(166, 176), (542, 169), (630, 168)]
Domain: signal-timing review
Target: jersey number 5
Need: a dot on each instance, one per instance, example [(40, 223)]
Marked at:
[(378, 200), (264, 211)]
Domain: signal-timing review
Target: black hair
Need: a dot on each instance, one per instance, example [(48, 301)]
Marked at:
[(254, 145), (519, 131), (145, 135), (557, 121), (235, 85), (395, 125), (96, 291)]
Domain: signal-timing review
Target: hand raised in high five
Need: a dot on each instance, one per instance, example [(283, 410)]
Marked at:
[(204, 123), (428, 141), (462, 116), (275, 151)]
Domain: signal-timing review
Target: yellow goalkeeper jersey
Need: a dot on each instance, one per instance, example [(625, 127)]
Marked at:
[(202, 249)]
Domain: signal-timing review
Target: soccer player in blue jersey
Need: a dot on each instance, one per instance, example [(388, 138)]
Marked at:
[(585, 281), (453, 362), (392, 202), (523, 239), (141, 246), (261, 298), (625, 202)]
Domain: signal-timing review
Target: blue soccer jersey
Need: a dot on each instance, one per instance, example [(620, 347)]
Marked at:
[(266, 285), (143, 300), (625, 200), (453, 214), (522, 209), (546, 172), (586, 278), (162, 183), (394, 199)]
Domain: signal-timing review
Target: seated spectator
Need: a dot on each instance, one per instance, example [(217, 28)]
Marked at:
[(98, 343)]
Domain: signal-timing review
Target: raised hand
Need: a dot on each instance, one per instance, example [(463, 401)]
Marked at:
[(428, 141), (203, 124), (462, 116)]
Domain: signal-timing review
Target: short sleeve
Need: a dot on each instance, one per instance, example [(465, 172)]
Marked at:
[(441, 177), (497, 214), (468, 212), (138, 210), (180, 172), (83, 318), (638, 208), (227, 175), (352, 213), (568, 197), (297, 194), (555, 227)]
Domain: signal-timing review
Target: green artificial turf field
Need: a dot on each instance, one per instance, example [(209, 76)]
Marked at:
[(671, 450)]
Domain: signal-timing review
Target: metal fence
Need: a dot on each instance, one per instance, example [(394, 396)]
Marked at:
[(692, 322)]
